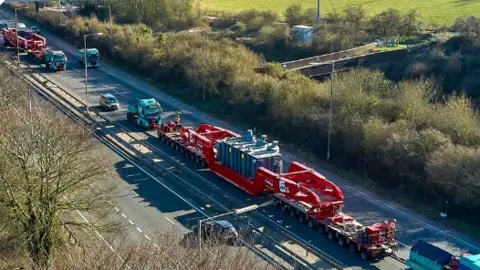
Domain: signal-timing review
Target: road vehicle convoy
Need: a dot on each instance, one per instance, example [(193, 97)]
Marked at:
[(255, 166), (425, 256), (109, 102), (93, 57), (145, 113), (34, 44), (27, 40)]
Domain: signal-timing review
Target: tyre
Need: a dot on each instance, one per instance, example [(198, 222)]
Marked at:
[(331, 235), (364, 254), (302, 218), (341, 241), (352, 247), (293, 212), (311, 224), (321, 228), (284, 208)]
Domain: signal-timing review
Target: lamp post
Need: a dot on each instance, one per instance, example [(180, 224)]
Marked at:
[(236, 212), (16, 31), (330, 115), (109, 17), (318, 13), (85, 63)]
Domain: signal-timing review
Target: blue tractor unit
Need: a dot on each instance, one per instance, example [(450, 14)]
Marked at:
[(145, 113), (93, 56)]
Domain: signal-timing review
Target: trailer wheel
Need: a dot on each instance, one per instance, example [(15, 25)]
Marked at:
[(284, 208), (203, 164), (364, 254), (311, 224), (321, 228), (341, 241), (352, 247), (192, 156), (302, 218), (277, 203), (293, 212), (331, 235)]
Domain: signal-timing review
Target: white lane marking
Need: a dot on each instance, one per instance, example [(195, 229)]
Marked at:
[(415, 219), (101, 237), (138, 229), (123, 215), (116, 209), (146, 236), (110, 202), (131, 222), (134, 193), (169, 220)]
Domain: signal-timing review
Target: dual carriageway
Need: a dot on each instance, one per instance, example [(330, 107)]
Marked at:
[(155, 201)]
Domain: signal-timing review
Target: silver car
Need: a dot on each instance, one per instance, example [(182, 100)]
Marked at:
[(109, 102)]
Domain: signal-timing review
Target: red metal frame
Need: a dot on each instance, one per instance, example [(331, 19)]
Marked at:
[(36, 43), (300, 183)]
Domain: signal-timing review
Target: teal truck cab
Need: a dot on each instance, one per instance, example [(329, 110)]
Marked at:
[(145, 113), (92, 57), (56, 60)]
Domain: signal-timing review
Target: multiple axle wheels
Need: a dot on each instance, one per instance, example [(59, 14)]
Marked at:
[(175, 145), (322, 229)]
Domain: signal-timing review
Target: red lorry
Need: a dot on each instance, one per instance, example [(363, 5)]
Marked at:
[(255, 166), (36, 45), (27, 40)]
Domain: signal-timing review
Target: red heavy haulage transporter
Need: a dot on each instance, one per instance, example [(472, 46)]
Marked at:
[(36, 45), (255, 166), (27, 40)]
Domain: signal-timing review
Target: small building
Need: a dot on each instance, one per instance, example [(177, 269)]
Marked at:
[(302, 33)]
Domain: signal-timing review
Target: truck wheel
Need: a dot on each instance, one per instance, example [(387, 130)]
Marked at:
[(341, 241), (284, 208), (301, 217), (321, 229), (352, 248), (364, 254), (277, 203), (293, 212), (311, 224), (331, 235), (203, 164)]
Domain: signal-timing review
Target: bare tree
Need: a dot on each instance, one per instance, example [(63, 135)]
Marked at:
[(47, 168), (172, 250)]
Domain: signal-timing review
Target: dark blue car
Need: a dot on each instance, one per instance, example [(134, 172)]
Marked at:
[(35, 29)]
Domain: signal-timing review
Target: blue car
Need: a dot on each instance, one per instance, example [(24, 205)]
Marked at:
[(35, 29)]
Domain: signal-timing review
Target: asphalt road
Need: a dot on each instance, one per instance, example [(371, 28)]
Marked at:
[(361, 204)]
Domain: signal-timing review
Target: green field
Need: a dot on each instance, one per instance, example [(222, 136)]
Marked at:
[(431, 11)]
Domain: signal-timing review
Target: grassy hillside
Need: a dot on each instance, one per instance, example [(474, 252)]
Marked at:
[(432, 11)]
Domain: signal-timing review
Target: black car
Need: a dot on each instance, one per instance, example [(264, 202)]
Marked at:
[(221, 230)]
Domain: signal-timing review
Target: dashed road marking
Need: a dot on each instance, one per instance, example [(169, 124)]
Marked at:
[(169, 220), (131, 222), (146, 236), (123, 215), (116, 209), (138, 229)]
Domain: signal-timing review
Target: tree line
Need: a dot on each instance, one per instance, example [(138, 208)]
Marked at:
[(407, 135)]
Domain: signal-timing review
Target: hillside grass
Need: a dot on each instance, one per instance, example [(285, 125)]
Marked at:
[(433, 11)]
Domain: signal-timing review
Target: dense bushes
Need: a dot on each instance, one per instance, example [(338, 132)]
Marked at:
[(405, 135), (454, 64)]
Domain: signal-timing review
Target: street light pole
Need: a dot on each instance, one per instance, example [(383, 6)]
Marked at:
[(85, 64), (331, 111), (237, 212), (16, 32), (318, 13)]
